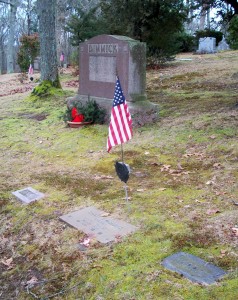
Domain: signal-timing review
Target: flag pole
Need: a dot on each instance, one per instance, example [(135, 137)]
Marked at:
[(122, 154), (125, 185)]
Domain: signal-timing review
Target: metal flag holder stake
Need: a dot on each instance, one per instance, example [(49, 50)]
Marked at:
[(123, 172)]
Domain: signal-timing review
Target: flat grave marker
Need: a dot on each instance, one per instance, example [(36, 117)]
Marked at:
[(193, 268), (97, 224), (28, 195)]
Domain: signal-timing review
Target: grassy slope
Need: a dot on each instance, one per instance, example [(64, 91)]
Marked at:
[(183, 181)]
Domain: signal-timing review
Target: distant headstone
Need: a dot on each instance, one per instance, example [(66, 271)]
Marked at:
[(101, 59), (207, 45), (193, 268), (36, 64), (97, 224), (28, 195), (222, 45)]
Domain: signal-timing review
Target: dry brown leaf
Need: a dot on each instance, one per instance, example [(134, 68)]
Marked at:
[(212, 211), (180, 167), (217, 165), (8, 263), (105, 214), (165, 168), (235, 231), (154, 164), (209, 182), (212, 137), (32, 281)]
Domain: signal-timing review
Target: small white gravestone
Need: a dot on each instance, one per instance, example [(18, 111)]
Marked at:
[(96, 224), (207, 45), (28, 195)]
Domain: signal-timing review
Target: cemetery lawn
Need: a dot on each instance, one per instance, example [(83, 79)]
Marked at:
[(183, 190)]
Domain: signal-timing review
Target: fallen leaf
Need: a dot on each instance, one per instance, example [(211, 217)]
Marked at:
[(209, 182), (180, 167), (155, 164), (140, 190), (220, 193), (8, 263), (212, 211), (162, 189), (235, 231), (85, 242), (105, 215), (188, 155), (32, 281), (165, 168), (217, 165)]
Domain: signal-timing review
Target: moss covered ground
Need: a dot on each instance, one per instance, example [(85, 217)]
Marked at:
[(183, 190)]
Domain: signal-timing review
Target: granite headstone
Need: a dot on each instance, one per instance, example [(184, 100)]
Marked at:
[(101, 59), (207, 45)]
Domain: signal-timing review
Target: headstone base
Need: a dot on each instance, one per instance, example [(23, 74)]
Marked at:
[(142, 111)]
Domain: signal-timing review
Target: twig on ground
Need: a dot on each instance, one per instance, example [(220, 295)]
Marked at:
[(61, 292)]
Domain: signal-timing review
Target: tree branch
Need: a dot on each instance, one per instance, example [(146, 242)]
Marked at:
[(5, 2)]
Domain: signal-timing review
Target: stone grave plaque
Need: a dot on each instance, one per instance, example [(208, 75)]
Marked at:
[(91, 221), (28, 195), (193, 268)]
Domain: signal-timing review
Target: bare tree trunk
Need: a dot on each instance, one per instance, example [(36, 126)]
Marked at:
[(1, 56), (202, 17), (60, 22), (208, 18), (11, 36), (48, 54), (28, 13)]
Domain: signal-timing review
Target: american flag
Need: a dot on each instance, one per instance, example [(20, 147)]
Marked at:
[(30, 71), (120, 128)]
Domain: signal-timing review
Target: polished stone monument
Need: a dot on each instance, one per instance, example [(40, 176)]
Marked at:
[(104, 57)]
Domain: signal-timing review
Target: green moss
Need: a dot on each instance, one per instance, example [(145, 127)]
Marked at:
[(45, 89)]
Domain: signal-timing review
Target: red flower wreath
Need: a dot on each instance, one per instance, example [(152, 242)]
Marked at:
[(76, 117)]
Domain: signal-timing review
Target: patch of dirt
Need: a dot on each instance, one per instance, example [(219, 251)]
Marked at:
[(37, 117), (222, 225)]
